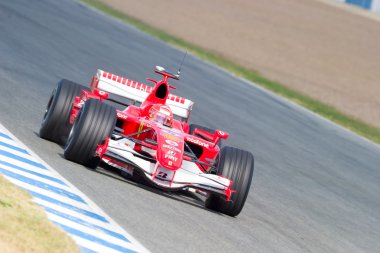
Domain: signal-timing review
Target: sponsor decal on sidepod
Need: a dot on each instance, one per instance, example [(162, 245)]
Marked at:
[(198, 142)]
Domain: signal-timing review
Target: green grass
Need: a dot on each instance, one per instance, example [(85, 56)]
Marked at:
[(329, 112), (24, 226)]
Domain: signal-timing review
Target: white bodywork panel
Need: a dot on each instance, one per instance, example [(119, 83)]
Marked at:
[(138, 92), (188, 175)]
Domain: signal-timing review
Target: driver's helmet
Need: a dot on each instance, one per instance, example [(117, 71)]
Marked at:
[(161, 114)]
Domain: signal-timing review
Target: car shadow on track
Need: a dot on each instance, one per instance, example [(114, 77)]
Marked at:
[(138, 181), (182, 196)]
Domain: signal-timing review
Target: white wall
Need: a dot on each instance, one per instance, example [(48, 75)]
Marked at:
[(376, 6)]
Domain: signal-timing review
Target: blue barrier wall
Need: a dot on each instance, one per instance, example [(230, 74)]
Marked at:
[(367, 4)]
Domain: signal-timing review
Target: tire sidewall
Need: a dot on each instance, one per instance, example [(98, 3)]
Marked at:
[(243, 178)]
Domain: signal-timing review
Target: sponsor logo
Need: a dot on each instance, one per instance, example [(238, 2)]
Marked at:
[(165, 174), (198, 142), (140, 128), (172, 143), (121, 115), (174, 132), (99, 151), (171, 157), (171, 147), (162, 175), (171, 152), (170, 137)]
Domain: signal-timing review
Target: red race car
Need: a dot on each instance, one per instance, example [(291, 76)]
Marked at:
[(153, 139)]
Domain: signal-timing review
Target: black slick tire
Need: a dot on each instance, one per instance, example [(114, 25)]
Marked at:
[(56, 125), (94, 123), (236, 165)]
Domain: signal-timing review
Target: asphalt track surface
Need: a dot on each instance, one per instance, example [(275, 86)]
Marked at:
[(315, 187)]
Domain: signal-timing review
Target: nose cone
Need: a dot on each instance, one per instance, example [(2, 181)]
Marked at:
[(169, 149)]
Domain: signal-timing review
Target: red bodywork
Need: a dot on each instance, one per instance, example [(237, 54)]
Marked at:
[(171, 144)]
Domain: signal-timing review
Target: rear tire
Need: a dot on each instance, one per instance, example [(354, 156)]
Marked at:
[(94, 124), (236, 165), (56, 125)]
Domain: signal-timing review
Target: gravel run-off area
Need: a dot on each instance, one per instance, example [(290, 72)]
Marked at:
[(324, 49)]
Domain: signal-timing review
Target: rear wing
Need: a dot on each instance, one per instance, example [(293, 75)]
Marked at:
[(136, 91)]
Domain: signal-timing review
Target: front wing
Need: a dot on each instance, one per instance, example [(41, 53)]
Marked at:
[(120, 154)]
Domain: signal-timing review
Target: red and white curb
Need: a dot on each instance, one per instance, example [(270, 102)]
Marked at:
[(64, 204)]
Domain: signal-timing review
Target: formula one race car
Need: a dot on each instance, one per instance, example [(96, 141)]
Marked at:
[(153, 139)]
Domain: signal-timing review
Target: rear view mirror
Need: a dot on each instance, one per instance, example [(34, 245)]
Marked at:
[(160, 69), (221, 134)]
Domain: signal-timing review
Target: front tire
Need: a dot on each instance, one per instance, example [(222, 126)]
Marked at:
[(236, 165), (94, 124), (56, 125)]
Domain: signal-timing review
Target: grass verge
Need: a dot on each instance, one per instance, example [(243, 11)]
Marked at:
[(329, 112), (24, 227)]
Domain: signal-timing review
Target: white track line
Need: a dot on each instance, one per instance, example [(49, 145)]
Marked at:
[(64, 204)]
